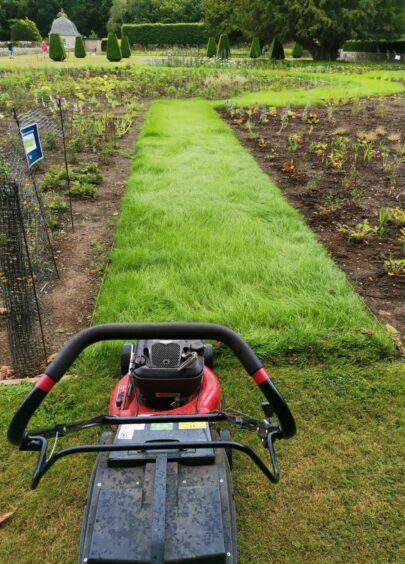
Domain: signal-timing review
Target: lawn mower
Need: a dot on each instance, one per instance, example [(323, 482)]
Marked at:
[(161, 488)]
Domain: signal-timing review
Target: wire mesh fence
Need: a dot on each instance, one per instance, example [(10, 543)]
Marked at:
[(27, 261)]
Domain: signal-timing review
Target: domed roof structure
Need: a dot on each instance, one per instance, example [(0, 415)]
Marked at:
[(64, 26)]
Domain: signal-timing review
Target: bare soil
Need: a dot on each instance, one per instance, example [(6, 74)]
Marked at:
[(82, 255), (331, 192)]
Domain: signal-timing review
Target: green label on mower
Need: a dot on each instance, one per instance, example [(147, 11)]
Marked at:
[(162, 426)]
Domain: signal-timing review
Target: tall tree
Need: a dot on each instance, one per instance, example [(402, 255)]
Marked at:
[(88, 15), (320, 26), (10, 11), (220, 16)]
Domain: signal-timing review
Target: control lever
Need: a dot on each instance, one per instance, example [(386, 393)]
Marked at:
[(269, 442), (189, 360)]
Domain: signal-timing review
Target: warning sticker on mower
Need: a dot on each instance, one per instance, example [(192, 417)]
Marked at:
[(126, 432), (193, 425)]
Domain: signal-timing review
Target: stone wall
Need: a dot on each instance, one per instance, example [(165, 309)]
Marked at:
[(377, 57)]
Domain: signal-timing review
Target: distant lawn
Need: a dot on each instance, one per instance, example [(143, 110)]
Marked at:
[(204, 235), (37, 61)]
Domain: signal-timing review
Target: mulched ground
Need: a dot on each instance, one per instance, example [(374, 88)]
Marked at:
[(339, 166)]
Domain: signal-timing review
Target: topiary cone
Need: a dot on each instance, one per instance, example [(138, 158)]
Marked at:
[(224, 49), (113, 49), (255, 50), (125, 48), (56, 49), (80, 51), (211, 48)]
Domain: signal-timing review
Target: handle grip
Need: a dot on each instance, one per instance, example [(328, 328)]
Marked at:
[(126, 331)]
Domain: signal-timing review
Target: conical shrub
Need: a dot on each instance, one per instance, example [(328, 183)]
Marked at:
[(80, 51), (255, 50), (211, 48), (125, 48), (276, 49), (224, 49), (113, 49), (56, 49), (297, 51)]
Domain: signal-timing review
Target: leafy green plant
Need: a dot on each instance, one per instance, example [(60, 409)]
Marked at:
[(80, 51), (368, 152), (54, 179), (113, 49), (56, 49), (91, 167), (293, 141), (394, 267), (382, 219), (51, 140), (360, 232), (4, 169), (84, 190), (396, 215)]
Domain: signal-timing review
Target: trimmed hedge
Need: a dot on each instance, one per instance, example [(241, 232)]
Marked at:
[(211, 48), (125, 48), (113, 49), (255, 50), (276, 49), (165, 34), (371, 46), (80, 51), (224, 49), (56, 48), (297, 51), (104, 42)]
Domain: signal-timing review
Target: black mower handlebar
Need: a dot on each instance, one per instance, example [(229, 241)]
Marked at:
[(125, 331)]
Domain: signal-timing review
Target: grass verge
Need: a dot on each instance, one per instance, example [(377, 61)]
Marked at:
[(204, 235)]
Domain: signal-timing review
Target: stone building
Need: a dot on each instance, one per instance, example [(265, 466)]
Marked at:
[(66, 29)]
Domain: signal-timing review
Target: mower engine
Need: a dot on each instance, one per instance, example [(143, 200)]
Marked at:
[(168, 373)]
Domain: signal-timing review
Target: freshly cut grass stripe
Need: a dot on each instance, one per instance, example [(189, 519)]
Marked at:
[(204, 235)]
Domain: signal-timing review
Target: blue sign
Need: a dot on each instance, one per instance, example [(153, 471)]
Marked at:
[(32, 143)]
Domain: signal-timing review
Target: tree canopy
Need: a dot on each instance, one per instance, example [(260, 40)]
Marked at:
[(88, 15), (321, 26)]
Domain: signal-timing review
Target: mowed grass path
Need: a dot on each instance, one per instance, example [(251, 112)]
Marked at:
[(204, 235)]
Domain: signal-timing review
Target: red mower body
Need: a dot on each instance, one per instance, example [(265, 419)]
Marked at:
[(126, 402)]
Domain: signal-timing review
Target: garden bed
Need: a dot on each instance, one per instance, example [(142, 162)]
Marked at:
[(81, 256), (341, 165)]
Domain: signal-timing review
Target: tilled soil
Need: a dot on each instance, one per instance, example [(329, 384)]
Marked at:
[(333, 192)]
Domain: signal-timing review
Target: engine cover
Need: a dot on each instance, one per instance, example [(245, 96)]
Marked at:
[(168, 373)]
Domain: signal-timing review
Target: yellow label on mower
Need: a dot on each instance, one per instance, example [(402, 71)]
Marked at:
[(193, 425)]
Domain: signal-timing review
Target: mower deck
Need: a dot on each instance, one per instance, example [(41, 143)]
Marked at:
[(165, 507)]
